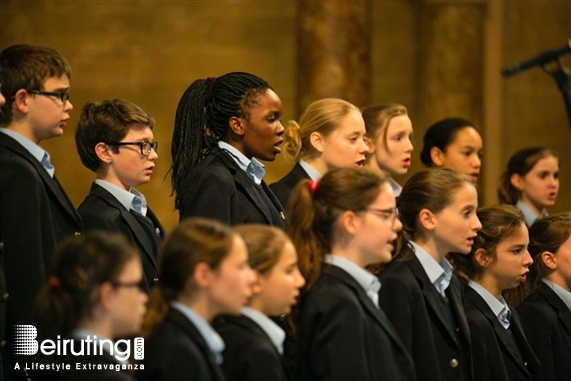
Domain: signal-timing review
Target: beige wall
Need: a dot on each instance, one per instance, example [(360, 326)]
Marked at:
[(148, 52)]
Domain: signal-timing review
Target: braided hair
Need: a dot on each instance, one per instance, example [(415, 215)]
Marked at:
[(202, 118)]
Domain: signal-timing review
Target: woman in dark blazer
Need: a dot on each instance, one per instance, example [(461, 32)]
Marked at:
[(340, 225), (330, 134), (254, 342), (499, 262), (223, 126), (420, 295), (546, 312), (203, 272)]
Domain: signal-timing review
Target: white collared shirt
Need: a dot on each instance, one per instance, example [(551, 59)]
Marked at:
[(439, 273), (560, 291), (498, 306), (370, 283), (131, 200), (397, 188), (253, 168), (312, 172), (212, 338), (35, 150), (274, 331)]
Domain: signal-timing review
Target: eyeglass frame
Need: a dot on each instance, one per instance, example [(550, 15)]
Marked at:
[(152, 146), (141, 285), (390, 213), (62, 95)]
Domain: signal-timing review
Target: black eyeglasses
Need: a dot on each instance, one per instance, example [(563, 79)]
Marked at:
[(391, 213), (141, 285), (145, 146), (62, 95)]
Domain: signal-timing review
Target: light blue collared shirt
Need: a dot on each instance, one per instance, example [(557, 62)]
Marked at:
[(35, 150), (528, 214), (253, 168), (439, 273), (276, 334), (312, 172), (560, 291), (212, 338), (370, 283), (499, 307), (131, 200), (397, 189)]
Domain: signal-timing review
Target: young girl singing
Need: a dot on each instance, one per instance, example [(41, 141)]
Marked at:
[(420, 295), (499, 261), (254, 342), (340, 225)]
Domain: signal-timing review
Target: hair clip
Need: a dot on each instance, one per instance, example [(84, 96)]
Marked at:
[(313, 185)]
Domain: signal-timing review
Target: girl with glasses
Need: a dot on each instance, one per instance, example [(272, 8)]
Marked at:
[(342, 331)]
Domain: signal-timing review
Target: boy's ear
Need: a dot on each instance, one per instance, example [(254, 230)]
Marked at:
[(20, 101), (102, 152)]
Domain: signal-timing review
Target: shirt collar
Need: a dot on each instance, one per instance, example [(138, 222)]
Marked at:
[(276, 334), (529, 215), (312, 172), (560, 291), (397, 189), (370, 283), (498, 306), (35, 150), (131, 200), (439, 273), (253, 168), (212, 338)]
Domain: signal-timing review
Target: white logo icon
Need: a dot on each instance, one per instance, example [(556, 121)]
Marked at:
[(25, 339)]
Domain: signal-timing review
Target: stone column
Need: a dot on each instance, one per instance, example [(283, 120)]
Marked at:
[(451, 60), (333, 51)]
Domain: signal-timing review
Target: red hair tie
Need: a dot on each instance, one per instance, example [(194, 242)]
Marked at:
[(53, 281), (313, 185)]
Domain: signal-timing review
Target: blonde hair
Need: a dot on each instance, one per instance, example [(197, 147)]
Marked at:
[(378, 117)]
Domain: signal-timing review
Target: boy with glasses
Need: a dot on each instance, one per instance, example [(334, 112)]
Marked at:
[(114, 139), (35, 212)]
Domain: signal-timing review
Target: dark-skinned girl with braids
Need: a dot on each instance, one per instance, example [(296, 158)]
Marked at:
[(222, 127)]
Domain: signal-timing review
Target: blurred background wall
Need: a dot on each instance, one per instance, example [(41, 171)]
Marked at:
[(439, 58)]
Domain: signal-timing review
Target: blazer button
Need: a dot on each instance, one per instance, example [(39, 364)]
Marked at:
[(2, 343), (155, 280), (5, 296), (457, 329), (77, 234), (454, 363), (525, 363)]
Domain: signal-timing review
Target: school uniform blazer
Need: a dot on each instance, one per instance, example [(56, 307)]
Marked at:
[(217, 188), (284, 187), (249, 354), (546, 321), (35, 216), (413, 305), (101, 210), (344, 336), (494, 349), (177, 351)]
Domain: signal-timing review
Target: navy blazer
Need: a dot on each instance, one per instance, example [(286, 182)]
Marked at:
[(101, 210), (438, 338), (177, 351), (217, 188), (344, 336), (284, 187), (546, 321), (35, 216), (499, 354), (249, 355)]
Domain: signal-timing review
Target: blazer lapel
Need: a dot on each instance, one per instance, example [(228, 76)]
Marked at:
[(563, 311), (433, 298), (140, 235), (377, 313)]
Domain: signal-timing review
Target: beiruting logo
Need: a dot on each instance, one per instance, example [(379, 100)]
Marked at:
[(25, 343)]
